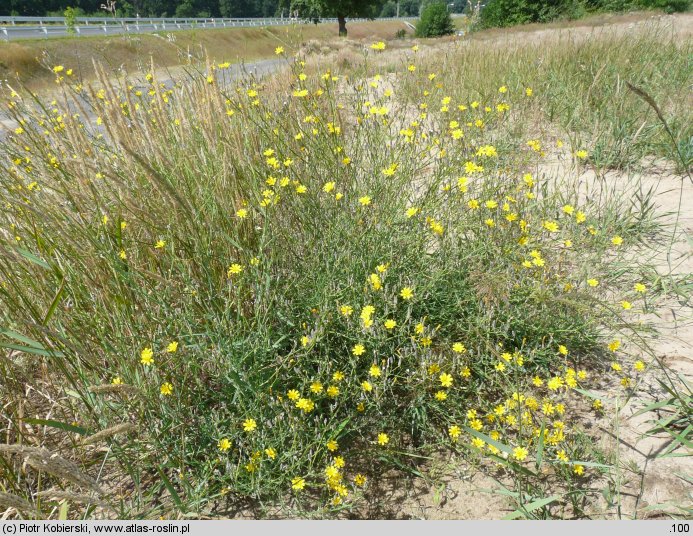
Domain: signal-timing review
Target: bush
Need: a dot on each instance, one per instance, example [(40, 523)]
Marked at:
[(389, 9), (435, 21), (500, 13)]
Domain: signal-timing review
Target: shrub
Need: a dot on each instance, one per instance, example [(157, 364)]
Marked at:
[(435, 21), (499, 13)]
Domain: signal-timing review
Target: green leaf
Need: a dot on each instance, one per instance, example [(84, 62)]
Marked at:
[(654, 406), (32, 350), (57, 424), (534, 505), (54, 303), (497, 444), (171, 490), (33, 258), (20, 338), (64, 507), (540, 446)]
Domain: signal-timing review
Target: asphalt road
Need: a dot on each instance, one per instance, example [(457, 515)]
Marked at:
[(237, 71)]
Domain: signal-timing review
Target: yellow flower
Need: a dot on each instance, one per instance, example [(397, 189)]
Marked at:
[(550, 226), (242, 213), (406, 293), (593, 282), (578, 470), (639, 366), (390, 324), (293, 394), (271, 453), (615, 366), (298, 483), (234, 269), (528, 91), (365, 200), (378, 46), (147, 357), (445, 379), (562, 350), (224, 445), (412, 211), (117, 381), (360, 480), (383, 439), (555, 383), (626, 305), (166, 389), (581, 154), (279, 50), (454, 431), (366, 386), (458, 348), (332, 445), (617, 240), (374, 371), (338, 376), (346, 310), (614, 345), (358, 349), (160, 244), (316, 388), (172, 347), (441, 395), (332, 391), (639, 287), (520, 453), (249, 425), (328, 187)]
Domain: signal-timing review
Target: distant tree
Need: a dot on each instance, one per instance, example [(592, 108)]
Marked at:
[(185, 10), (70, 17), (389, 9), (435, 21), (341, 9), (409, 8)]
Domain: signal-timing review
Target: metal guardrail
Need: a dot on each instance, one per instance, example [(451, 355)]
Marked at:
[(45, 27)]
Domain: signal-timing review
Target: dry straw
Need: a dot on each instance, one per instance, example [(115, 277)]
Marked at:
[(122, 428), (111, 388), (7, 500), (79, 498), (43, 460)]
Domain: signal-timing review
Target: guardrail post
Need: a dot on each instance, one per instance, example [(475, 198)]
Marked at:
[(7, 35)]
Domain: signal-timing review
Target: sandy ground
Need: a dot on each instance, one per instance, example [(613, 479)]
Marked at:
[(649, 486)]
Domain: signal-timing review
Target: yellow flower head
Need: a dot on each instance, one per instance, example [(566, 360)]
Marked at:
[(147, 356)]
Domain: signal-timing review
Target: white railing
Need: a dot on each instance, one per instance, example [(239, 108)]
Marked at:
[(45, 27)]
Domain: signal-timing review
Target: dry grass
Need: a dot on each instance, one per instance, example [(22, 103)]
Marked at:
[(131, 53)]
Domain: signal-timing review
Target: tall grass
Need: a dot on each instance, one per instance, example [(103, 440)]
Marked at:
[(268, 292)]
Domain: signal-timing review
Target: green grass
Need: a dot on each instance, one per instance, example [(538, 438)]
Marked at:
[(239, 222)]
